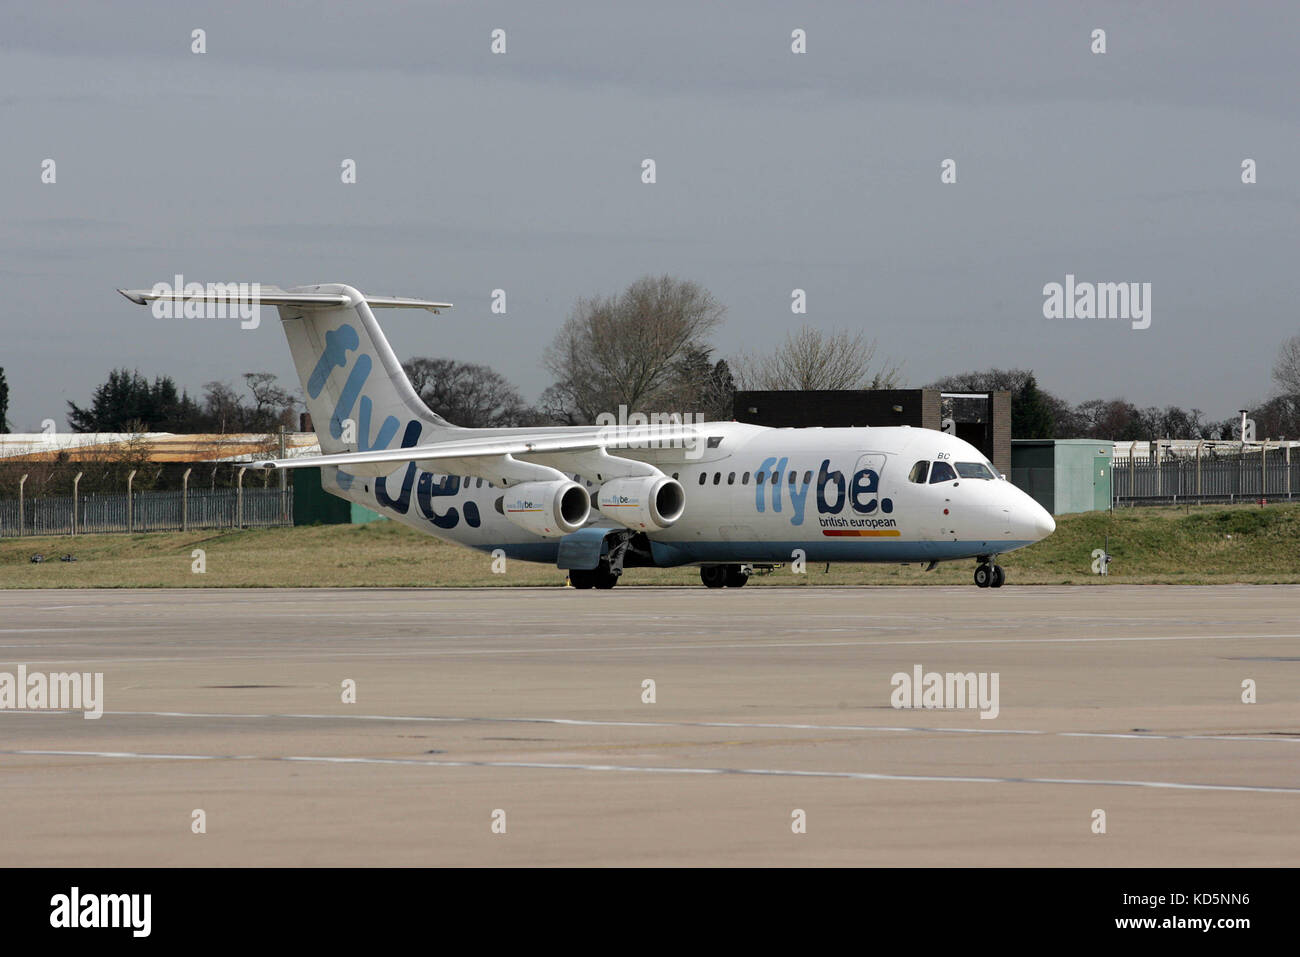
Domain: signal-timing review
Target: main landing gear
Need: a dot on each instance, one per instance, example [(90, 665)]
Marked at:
[(729, 576), (988, 575), (602, 576)]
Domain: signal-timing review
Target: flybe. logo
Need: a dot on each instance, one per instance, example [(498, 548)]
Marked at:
[(861, 493), (338, 343)]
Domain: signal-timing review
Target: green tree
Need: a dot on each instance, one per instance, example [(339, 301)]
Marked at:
[(4, 402), (129, 399), (1031, 413)]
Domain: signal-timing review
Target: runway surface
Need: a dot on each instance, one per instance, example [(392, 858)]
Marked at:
[(1126, 700)]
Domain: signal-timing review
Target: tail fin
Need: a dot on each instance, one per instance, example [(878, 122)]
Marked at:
[(357, 393)]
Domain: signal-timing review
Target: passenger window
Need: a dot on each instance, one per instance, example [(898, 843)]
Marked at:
[(919, 472), (942, 472), (807, 477), (744, 479), (776, 477), (731, 478), (758, 479), (794, 476), (717, 477), (703, 477)]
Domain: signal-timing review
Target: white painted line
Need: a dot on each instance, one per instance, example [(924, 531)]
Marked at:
[(651, 769), (756, 645), (758, 725)]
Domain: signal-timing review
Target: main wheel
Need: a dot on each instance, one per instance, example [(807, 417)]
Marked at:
[(582, 577), (605, 578), (713, 576), (983, 575), (736, 576), (999, 577)]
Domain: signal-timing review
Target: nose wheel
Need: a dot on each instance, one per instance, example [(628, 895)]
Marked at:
[(988, 575)]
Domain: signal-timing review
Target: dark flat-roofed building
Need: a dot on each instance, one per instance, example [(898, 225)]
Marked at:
[(982, 419)]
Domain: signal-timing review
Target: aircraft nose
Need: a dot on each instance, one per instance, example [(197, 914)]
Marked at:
[(1041, 523), (1030, 522)]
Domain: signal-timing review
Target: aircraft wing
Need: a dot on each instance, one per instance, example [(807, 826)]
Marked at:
[(574, 445)]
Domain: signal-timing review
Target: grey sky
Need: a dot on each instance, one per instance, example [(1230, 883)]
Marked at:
[(775, 171)]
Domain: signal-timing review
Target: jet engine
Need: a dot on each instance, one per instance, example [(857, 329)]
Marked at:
[(647, 503), (550, 509)]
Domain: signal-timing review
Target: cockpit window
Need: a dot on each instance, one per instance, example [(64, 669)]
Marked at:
[(919, 472), (974, 470), (942, 472)]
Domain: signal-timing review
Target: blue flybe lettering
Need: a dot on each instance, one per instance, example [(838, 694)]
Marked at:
[(862, 492), (426, 490), (798, 496), (826, 477), (403, 501), (338, 342), (386, 431), (351, 392)]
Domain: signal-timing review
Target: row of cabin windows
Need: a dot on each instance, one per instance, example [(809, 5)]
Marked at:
[(922, 472), (773, 477)]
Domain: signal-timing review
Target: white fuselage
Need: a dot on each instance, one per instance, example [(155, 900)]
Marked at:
[(838, 495)]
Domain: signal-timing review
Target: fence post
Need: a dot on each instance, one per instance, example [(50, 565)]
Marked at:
[(1263, 471), (130, 505), (22, 510), (185, 500), (284, 483), (1198, 472), (239, 498), (1132, 473), (75, 483), (1288, 471)]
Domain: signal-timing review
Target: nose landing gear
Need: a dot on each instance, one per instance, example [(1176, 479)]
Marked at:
[(988, 575), (725, 576)]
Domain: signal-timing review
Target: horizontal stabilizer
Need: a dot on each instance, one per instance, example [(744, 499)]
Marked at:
[(258, 294)]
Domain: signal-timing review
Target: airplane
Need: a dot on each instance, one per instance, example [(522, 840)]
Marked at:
[(728, 497)]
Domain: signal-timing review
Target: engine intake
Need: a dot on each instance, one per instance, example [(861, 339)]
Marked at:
[(642, 503), (550, 509)]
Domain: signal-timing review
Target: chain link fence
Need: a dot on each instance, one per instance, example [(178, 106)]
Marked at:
[(172, 511)]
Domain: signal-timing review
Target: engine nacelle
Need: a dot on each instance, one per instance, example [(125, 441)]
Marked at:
[(550, 509), (642, 503)]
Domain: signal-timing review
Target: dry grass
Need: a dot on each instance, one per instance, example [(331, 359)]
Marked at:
[(1206, 545)]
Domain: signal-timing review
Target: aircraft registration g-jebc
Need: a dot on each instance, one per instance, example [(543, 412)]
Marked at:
[(594, 500)]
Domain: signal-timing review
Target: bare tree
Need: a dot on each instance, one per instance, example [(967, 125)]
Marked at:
[(468, 394), (1286, 370), (272, 405), (628, 349), (812, 359)]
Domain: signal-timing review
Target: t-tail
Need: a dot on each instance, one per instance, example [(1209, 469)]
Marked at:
[(356, 390)]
